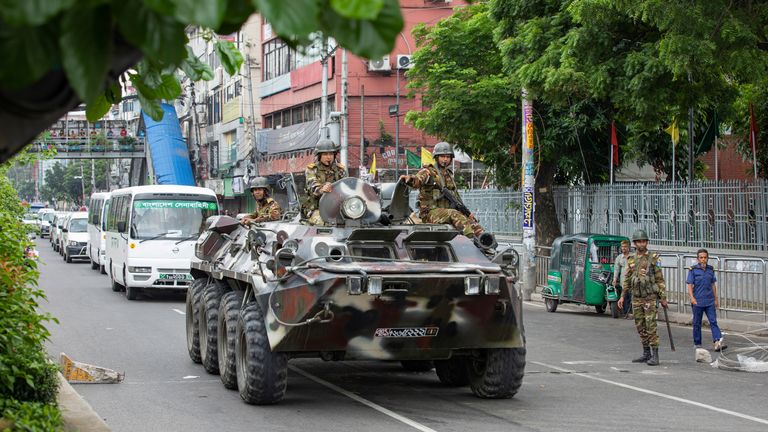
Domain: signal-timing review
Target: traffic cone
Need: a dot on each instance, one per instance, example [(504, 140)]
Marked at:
[(77, 372)]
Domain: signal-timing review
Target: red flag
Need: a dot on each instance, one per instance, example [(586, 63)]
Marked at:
[(753, 131), (614, 145)]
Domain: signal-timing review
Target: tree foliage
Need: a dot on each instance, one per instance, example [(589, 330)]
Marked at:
[(85, 38)]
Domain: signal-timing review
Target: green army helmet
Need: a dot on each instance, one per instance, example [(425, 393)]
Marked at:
[(443, 148), (325, 146), (259, 182), (639, 235)]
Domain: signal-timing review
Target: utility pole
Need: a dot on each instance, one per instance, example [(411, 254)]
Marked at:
[(253, 118), (344, 108), (528, 266), (397, 122), (324, 84), (362, 127)]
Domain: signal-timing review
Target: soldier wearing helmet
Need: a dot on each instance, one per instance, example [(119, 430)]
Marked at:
[(320, 175), (646, 283), (266, 209), (430, 181)]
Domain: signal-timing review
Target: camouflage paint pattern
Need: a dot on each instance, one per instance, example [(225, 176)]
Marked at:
[(422, 312), (266, 210), (316, 175), (644, 311), (435, 209), (644, 308)]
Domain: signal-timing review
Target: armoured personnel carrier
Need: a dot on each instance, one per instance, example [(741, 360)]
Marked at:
[(368, 285)]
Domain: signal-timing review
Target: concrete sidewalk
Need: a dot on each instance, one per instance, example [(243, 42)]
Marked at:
[(725, 324), (76, 413)]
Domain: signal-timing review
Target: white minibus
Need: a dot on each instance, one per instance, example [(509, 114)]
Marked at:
[(151, 235), (74, 237), (96, 237)]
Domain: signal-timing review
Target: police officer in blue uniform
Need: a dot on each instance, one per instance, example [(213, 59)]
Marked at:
[(702, 291)]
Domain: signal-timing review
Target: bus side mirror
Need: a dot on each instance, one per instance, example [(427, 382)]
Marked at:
[(121, 227), (64, 230)]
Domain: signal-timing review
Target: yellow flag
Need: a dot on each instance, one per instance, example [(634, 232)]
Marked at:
[(674, 132), (426, 157), (372, 171)]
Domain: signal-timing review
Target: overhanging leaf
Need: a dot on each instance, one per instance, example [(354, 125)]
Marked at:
[(150, 106), (195, 68), (97, 108), (27, 54), (169, 88), (366, 38), (86, 49), (159, 36), (358, 9), (296, 17), (207, 13), (231, 58), (31, 12), (114, 94)]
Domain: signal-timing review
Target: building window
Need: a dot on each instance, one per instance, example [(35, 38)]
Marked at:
[(213, 104), (279, 59)]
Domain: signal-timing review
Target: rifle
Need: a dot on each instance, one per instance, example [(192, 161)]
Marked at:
[(454, 202)]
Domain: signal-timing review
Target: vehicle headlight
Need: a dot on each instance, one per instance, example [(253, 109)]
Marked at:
[(72, 243), (132, 269), (353, 207)]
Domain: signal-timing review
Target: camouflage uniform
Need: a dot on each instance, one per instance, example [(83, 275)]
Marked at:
[(316, 176), (266, 210), (434, 209), (644, 300)]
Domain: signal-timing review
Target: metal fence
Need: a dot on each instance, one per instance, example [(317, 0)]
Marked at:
[(742, 283), (724, 215)]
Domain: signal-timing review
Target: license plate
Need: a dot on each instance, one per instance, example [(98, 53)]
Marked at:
[(175, 276)]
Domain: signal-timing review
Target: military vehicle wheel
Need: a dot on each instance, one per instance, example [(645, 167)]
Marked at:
[(497, 373), (261, 374), (193, 331), (417, 365), (229, 309), (551, 304), (614, 309), (209, 324), (452, 372), (599, 309)]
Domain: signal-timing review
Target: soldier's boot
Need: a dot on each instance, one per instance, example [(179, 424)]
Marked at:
[(654, 360), (646, 355)]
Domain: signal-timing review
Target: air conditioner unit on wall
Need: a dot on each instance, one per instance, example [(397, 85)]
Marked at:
[(379, 64), (404, 61)]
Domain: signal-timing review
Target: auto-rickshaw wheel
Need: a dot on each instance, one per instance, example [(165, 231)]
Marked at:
[(614, 309), (599, 309), (551, 304)]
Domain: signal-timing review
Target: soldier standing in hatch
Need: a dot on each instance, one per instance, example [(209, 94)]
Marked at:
[(432, 207), (320, 175), (646, 283), (267, 209)]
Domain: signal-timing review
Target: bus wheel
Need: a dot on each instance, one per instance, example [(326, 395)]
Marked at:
[(116, 287), (229, 309), (192, 318), (94, 265), (131, 293), (262, 375), (209, 322)]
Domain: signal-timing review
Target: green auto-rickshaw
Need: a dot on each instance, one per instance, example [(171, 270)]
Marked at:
[(581, 271)]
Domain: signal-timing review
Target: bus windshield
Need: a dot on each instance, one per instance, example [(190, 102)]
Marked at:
[(163, 219), (78, 225)]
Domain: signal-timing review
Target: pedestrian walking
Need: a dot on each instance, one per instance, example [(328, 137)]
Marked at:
[(702, 291), (619, 272), (645, 282)]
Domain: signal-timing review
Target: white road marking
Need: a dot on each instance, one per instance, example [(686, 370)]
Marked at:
[(608, 362), (529, 303), (180, 312), (662, 395), (190, 377), (363, 401)]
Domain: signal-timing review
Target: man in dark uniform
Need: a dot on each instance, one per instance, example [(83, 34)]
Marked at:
[(266, 209), (646, 283), (320, 175), (432, 207)]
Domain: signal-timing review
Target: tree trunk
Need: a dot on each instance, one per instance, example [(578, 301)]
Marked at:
[(547, 226)]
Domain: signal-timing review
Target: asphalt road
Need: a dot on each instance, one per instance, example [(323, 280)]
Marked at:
[(578, 376)]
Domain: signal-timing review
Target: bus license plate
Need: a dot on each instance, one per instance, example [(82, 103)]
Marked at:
[(175, 276)]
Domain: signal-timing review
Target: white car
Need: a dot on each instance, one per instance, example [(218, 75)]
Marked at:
[(75, 237), (32, 220), (46, 217)]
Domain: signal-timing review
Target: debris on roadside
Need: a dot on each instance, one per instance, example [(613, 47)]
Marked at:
[(81, 373)]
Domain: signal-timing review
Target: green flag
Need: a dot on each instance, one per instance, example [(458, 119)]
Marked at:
[(414, 161), (708, 135)]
